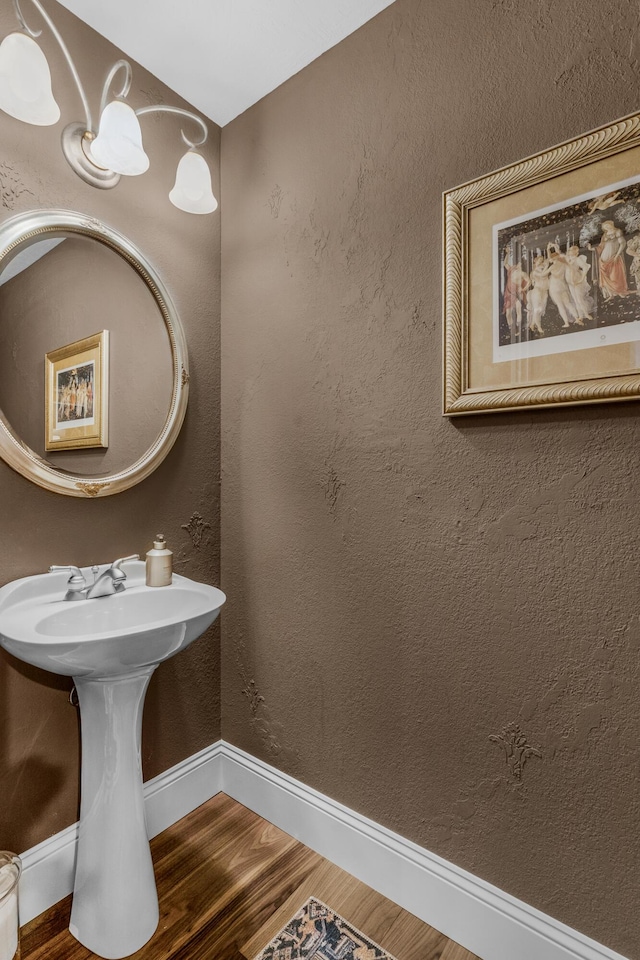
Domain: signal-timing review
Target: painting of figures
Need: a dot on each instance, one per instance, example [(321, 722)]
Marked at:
[(75, 391), (568, 277)]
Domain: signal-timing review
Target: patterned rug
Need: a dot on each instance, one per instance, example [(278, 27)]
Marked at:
[(318, 931)]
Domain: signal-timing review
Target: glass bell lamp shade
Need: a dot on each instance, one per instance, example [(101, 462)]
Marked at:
[(118, 146), (25, 82), (192, 190)]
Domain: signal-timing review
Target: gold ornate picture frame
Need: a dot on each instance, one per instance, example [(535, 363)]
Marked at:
[(77, 394), (542, 278)]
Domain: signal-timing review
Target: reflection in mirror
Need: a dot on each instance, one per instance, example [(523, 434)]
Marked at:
[(65, 288), (25, 257), (69, 299)]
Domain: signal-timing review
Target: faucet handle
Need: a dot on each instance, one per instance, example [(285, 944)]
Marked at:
[(77, 577), (115, 570), (116, 563), (76, 583)]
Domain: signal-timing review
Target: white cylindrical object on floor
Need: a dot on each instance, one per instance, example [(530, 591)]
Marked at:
[(10, 869)]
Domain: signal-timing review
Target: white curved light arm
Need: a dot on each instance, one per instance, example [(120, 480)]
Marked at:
[(126, 86), (163, 108), (54, 30)]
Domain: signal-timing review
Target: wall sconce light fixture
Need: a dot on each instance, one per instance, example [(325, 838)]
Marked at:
[(116, 149)]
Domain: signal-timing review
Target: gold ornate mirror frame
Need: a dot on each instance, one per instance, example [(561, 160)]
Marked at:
[(28, 228)]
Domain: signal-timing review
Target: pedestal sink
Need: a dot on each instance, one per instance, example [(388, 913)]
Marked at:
[(110, 646)]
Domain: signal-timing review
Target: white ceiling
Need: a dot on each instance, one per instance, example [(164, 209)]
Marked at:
[(224, 55)]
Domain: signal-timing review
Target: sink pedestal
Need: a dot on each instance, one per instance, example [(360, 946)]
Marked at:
[(110, 646), (115, 903)]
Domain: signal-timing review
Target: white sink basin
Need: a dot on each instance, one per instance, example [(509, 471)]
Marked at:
[(109, 636), (110, 646)]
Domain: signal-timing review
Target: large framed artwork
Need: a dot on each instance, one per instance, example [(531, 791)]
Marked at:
[(542, 278), (76, 394)]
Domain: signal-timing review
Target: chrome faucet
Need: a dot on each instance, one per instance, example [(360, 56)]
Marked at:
[(108, 583)]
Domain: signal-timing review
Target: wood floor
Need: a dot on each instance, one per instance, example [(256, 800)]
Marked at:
[(228, 881)]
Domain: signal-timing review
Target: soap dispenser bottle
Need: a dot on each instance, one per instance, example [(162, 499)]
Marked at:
[(159, 563)]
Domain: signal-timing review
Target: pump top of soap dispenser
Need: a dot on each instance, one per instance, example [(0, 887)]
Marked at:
[(160, 543)]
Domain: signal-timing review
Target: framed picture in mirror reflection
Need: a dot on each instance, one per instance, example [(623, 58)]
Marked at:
[(77, 394)]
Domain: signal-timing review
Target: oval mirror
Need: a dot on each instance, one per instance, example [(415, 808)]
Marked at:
[(94, 377)]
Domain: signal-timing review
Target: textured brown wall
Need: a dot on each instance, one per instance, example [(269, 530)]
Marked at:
[(404, 588), (38, 727)]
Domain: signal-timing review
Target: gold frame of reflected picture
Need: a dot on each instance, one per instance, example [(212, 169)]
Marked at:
[(76, 406)]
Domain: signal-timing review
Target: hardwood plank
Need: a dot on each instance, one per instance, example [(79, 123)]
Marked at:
[(412, 939), (43, 928), (228, 881), (246, 912), (453, 951), (214, 881)]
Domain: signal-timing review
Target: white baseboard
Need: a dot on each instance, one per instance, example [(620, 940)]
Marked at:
[(47, 873), (488, 922), (479, 916), (176, 792), (48, 868)]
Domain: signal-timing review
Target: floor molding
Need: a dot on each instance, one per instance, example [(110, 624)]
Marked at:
[(484, 919), (48, 868)]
